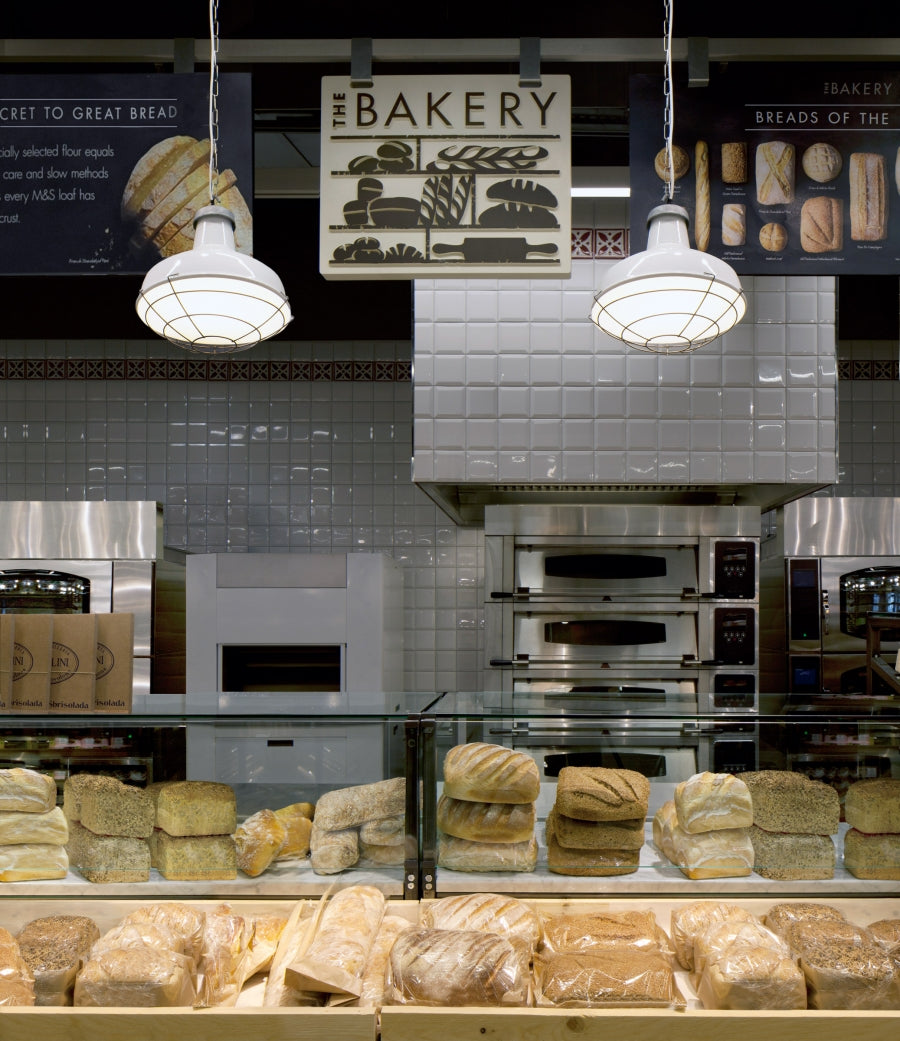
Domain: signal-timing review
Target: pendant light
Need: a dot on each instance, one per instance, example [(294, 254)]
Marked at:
[(212, 299), (670, 299)]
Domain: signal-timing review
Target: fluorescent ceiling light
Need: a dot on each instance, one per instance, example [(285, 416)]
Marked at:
[(601, 192)]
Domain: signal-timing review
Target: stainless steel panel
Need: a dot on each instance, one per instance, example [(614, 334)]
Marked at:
[(133, 592), (81, 530), (841, 527), (621, 520)]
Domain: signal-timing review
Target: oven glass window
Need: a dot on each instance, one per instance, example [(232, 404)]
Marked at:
[(29, 591), (869, 590), (270, 668)]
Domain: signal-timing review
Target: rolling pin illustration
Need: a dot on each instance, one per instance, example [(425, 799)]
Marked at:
[(496, 250)]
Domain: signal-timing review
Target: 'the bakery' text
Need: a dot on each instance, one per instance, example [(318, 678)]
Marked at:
[(877, 89), (449, 109)]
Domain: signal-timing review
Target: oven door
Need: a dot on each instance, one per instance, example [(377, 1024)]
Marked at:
[(55, 586)]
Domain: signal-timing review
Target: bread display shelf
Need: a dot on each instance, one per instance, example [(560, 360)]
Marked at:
[(408, 1023)]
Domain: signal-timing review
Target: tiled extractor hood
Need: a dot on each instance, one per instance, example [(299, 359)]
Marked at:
[(518, 397)]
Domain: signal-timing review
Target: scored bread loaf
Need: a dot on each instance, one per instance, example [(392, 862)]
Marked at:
[(822, 224), (710, 801), (464, 855), (822, 162), (701, 196), (773, 237), (194, 807), (17, 827), (33, 860), (734, 224), (599, 793), (336, 958), (258, 840), (486, 821), (791, 802), (487, 912), (483, 772), (349, 807), (868, 197), (774, 173), (54, 948), (873, 805), (372, 981), (26, 791), (454, 967)]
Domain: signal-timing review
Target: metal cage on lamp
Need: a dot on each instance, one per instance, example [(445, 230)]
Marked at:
[(212, 299)]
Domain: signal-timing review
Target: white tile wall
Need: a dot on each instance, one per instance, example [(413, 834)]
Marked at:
[(573, 386)]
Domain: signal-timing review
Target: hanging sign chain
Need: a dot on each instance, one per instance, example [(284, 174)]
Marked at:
[(213, 99), (669, 114)]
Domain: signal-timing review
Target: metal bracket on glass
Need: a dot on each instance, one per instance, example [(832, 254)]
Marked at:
[(361, 62), (530, 61), (698, 61)]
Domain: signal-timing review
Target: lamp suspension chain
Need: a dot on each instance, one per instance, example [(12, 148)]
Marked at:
[(213, 99), (669, 103)]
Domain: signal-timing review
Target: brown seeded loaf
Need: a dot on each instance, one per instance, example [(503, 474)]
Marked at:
[(483, 772), (564, 860), (54, 948), (784, 856), (591, 979), (872, 856), (193, 857), (575, 834), (108, 858), (784, 801), (486, 821), (109, 807), (194, 807), (571, 931), (873, 805), (780, 917), (598, 793)]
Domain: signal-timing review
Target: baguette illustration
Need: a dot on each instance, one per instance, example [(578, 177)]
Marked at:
[(868, 197), (468, 158), (701, 195)]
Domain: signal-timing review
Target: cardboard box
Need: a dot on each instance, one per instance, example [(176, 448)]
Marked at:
[(7, 629), (32, 640), (115, 662), (73, 663)]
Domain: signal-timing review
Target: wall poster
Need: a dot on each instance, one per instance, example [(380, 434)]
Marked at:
[(104, 173), (429, 176), (785, 169)]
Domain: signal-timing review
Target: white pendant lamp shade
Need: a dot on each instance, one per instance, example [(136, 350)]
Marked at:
[(670, 298), (212, 299)]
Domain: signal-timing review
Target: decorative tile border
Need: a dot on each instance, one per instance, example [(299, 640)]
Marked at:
[(599, 243), (860, 369), (225, 369)]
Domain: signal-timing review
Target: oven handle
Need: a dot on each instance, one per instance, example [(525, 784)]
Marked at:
[(526, 661)]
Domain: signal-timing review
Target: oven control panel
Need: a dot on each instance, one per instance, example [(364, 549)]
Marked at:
[(734, 631), (735, 570)]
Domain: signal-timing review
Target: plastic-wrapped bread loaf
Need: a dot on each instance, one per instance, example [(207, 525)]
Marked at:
[(26, 791), (487, 912), (372, 982), (336, 957), (486, 821), (464, 855), (222, 969), (573, 931), (54, 948), (145, 977), (720, 936), (455, 967), (483, 772), (186, 923), (607, 977), (16, 980), (692, 920), (708, 854), (17, 827), (780, 917), (845, 967), (712, 801), (350, 807), (744, 976)]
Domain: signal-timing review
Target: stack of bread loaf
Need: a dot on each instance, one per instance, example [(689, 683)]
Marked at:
[(734, 960), (366, 821), (192, 837), (596, 826), (704, 830), (794, 818), (602, 959), (872, 845), (110, 824), (486, 811), (33, 830), (845, 965)]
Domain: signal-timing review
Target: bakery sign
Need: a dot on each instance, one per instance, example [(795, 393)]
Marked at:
[(104, 173), (430, 176), (791, 169)]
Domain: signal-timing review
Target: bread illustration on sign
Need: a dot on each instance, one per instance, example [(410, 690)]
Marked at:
[(734, 162), (701, 195), (774, 173), (166, 188), (734, 224), (822, 162), (773, 237), (821, 224), (681, 163), (390, 157), (868, 197), (520, 204)]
